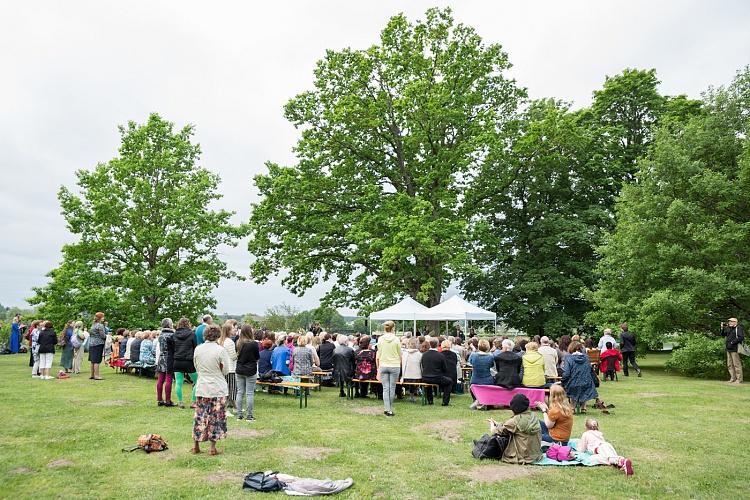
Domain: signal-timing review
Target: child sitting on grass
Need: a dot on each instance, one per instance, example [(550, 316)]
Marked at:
[(602, 452)]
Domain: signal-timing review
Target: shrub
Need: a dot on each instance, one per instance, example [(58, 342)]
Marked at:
[(701, 356)]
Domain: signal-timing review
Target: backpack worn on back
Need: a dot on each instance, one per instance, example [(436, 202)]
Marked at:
[(260, 481), (149, 443), (490, 447)]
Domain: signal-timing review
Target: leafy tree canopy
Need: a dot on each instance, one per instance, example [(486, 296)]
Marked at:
[(678, 260), (391, 136), (147, 239)]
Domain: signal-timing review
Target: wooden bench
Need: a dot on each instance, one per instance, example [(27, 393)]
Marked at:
[(350, 387), (297, 385), (318, 377)]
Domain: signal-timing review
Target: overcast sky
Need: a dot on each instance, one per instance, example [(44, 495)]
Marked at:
[(72, 71)]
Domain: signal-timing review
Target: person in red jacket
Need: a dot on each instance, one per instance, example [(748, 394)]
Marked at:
[(610, 361)]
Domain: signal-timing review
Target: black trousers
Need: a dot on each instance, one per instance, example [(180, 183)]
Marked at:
[(629, 356), (446, 385)]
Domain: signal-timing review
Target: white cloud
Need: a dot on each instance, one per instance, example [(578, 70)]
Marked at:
[(74, 70)]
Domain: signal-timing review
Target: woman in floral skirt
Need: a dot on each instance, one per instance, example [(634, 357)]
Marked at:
[(211, 390)]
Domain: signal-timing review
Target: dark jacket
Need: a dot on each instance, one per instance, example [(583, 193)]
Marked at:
[(264, 361), (508, 366), (734, 335), (47, 340), (343, 364), (451, 360), (166, 348), (433, 365), (247, 359), (627, 341), (325, 353), (135, 350), (578, 378), (184, 345)]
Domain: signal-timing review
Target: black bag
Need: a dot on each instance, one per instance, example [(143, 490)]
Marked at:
[(270, 376), (260, 481), (490, 447)]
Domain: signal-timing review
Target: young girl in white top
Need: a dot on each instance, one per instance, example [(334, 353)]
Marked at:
[(592, 441)]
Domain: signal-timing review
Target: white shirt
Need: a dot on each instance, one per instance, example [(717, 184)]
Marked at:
[(603, 341), (212, 364), (232, 353)]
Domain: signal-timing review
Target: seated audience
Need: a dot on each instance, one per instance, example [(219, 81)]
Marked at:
[(435, 371), (609, 361), (481, 361), (135, 348), (451, 360), (365, 366), (305, 359), (550, 358), (343, 363), (508, 367), (411, 366), (533, 367), (147, 353), (325, 352), (264, 361)]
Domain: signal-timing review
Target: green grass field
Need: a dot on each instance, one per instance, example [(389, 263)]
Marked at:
[(63, 438)]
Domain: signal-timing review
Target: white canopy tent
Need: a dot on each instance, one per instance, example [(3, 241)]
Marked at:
[(407, 309), (456, 308)]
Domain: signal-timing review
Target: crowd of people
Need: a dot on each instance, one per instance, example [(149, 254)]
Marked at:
[(224, 362)]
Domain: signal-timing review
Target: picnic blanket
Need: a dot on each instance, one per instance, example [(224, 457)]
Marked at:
[(581, 458)]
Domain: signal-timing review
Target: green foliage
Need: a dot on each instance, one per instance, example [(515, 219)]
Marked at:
[(281, 318), (147, 239), (390, 138), (701, 356), (536, 217), (679, 259)]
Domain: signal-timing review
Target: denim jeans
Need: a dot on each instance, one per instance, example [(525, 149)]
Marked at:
[(389, 377), (245, 390), (545, 434)]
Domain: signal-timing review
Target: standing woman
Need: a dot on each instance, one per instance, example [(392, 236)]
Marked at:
[(388, 362), (66, 336), (77, 340), (46, 342), (165, 364), (184, 345), (211, 363), (578, 378), (15, 334), (97, 338), (225, 341), (247, 372)]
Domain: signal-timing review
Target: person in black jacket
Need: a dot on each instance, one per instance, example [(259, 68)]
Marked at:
[(135, 348), (46, 342), (325, 353), (343, 363), (435, 371), (627, 349), (734, 335), (508, 366), (451, 362), (247, 371), (184, 345)]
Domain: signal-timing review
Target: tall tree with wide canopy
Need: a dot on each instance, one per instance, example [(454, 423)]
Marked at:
[(679, 258), (535, 218), (147, 239), (390, 138)]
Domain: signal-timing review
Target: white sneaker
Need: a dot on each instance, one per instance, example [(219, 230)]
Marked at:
[(35, 376)]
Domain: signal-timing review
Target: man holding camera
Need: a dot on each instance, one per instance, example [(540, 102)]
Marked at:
[(734, 335)]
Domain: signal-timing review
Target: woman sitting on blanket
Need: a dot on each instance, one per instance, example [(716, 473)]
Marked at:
[(525, 445), (558, 417), (592, 441)]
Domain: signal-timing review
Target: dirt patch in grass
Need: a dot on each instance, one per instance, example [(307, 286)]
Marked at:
[(250, 433), (497, 473), (315, 453), (447, 430), (652, 394), (223, 476), (60, 462), (166, 455), (112, 402), (21, 470), (368, 410)]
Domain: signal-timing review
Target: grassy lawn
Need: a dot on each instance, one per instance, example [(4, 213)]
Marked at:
[(63, 439)]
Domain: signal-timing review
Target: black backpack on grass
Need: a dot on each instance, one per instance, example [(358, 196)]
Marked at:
[(490, 447), (260, 481)]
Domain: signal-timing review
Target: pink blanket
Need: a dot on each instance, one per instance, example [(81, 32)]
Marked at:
[(493, 395)]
